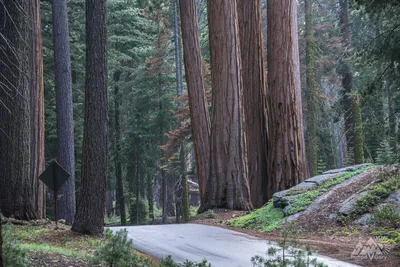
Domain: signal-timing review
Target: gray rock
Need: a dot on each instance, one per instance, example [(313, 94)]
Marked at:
[(276, 198), (349, 169), (304, 186), (394, 199), (332, 216), (363, 221), (322, 178), (349, 204)]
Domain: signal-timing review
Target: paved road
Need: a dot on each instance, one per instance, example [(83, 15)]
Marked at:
[(221, 247)]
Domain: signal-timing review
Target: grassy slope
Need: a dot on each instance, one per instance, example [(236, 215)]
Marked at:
[(268, 218)]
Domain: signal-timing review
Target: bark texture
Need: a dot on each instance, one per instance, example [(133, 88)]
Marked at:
[(228, 185), (21, 111), (37, 110), (352, 112), (200, 118), (89, 216), (65, 122), (254, 97), (287, 164), (312, 94)]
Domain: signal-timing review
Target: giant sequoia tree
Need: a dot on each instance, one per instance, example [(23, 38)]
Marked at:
[(200, 119), (65, 123), (228, 184), (89, 216), (21, 111), (254, 97), (287, 164)]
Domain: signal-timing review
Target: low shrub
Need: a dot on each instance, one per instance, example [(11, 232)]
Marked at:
[(375, 194), (387, 216), (13, 254), (118, 252)]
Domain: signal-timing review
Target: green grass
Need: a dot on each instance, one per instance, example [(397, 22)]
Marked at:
[(266, 219), (340, 179), (303, 200), (114, 219), (62, 241), (53, 250)]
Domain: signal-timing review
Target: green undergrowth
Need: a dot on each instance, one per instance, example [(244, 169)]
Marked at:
[(377, 193), (269, 218), (266, 219), (302, 201), (387, 235)]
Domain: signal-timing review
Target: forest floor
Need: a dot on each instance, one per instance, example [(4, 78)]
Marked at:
[(325, 236), (47, 246)]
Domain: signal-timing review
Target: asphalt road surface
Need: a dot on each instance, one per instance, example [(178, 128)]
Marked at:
[(194, 242)]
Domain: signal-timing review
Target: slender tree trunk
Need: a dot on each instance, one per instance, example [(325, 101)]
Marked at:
[(137, 194), (287, 164), (37, 111), (255, 98), (120, 203), (352, 112), (164, 197), (297, 79), (150, 194), (392, 118), (21, 111), (200, 119), (312, 94), (65, 121), (228, 185), (179, 86), (89, 217)]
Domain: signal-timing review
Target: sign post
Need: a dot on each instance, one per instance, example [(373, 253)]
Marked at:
[(54, 176)]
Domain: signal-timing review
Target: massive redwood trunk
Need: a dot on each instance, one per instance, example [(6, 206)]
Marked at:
[(254, 92), (199, 115), (21, 111), (89, 217), (287, 164), (228, 185)]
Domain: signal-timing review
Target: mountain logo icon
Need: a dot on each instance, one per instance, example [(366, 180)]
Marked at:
[(372, 250)]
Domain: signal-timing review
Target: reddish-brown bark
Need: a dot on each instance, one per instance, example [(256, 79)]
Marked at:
[(287, 164), (200, 118), (254, 100), (228, 185)]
